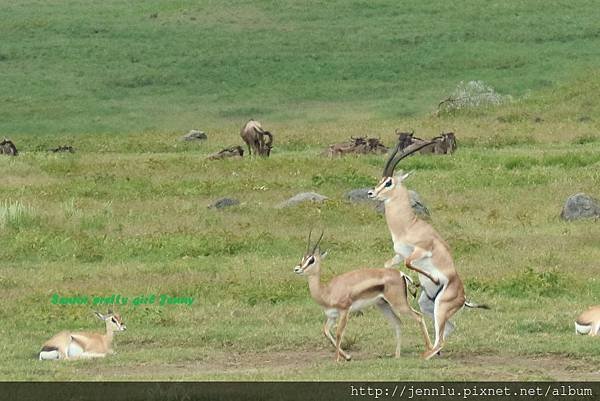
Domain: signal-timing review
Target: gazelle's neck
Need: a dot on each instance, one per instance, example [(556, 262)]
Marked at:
[(399, 214), (316, 288), (108, 337)]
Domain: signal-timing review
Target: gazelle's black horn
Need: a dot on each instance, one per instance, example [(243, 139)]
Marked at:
[(386, 172), (308, 244), (392, 165), (317, 243)]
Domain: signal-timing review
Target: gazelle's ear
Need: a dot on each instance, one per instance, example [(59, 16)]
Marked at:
[(405, 175), (324, 255), (99, 315)]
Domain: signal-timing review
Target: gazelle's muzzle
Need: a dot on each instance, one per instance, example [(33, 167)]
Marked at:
[(298, 269)]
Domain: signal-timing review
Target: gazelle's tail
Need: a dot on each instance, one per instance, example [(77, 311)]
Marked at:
[(474, 305), (411, 286)]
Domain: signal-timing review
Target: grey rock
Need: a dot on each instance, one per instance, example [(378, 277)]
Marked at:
[(303, 197), (580, 206), (361, 195), (224, 202), (194, 135)]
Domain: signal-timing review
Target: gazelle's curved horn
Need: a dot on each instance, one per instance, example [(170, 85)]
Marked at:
[(317, 243), (308, 244), (386, 172), (408, 151)]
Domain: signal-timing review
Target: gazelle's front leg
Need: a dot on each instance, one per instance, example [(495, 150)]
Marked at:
[(327, 331), (396, 260), (418, 254)]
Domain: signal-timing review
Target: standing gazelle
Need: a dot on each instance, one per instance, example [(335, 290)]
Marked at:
[(355, 290), (422, 249), (70, 345)]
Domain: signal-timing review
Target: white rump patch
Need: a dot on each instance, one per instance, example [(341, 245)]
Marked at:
[(49, 355), (583, 329)]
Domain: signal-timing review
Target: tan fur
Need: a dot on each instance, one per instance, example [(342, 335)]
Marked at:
[(424, 243), (92, 344), (591, 317), (386, 287)]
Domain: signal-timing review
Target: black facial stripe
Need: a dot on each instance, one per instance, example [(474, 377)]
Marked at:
[(388, 183)]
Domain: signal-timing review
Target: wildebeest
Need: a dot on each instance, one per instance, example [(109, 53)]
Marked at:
[(234, 151), (442, 145), (7, 147), (359, 145), (254, 135)]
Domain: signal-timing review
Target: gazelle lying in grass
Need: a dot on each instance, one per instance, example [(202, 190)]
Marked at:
[(422, 249), (589, 322), (70, 345), (355, 290)]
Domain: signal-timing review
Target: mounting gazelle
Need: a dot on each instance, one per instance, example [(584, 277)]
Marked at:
[(422, 249), (73, 345), (355, 290)]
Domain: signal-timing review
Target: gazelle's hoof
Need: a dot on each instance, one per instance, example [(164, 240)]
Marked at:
[(430, 354)]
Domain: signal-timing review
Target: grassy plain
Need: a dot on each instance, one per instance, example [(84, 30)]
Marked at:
[(127, 213)]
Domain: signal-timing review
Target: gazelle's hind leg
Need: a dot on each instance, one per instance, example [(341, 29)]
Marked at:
[(327, 331), (397, 297), (442, 314), (388, 312)]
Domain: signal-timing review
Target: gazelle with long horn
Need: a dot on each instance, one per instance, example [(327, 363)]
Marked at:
[(355, 290), (73, 345), (422, 249)]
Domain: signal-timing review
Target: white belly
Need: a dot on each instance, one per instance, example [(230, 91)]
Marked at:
[(403, 249), (360, 304), (74, 350)]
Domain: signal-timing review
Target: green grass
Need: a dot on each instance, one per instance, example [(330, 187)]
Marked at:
[(127, 213), (166, 66)]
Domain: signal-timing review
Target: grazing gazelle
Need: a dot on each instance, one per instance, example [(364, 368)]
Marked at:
[(589, 322), (355, 290), (422, 249), (70, 345)]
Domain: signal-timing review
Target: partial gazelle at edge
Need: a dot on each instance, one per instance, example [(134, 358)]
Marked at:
[(74, 345), (355, 290), (422, 249), (589, 322)]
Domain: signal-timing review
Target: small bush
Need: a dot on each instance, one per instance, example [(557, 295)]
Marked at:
[(472, 95)]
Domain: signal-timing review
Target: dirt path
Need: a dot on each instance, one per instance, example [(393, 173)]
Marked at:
[(244, 366)]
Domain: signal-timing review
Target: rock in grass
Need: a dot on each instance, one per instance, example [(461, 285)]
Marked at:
[(224, 202), (303, 197), (194, 135), (580, 206), (361, 195)]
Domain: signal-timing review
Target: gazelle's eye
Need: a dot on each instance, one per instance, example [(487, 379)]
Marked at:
[(388, 183)]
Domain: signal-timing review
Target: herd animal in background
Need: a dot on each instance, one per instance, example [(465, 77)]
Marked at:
[(360, 145), (443, 144), (7, 147), (259, 141), (76, 345)]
